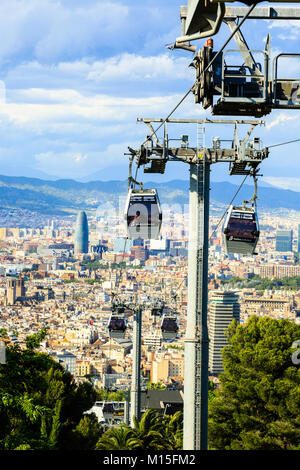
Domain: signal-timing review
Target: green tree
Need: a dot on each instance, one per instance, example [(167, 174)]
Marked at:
[(152, 432), (146, 434), (173, 430), (211, 391), (257, 405), (287, 283), (53, 440), (156, 386), (40, 404), (106, 395), (33, 341), (119, 438), (149, 431), (86, 434)]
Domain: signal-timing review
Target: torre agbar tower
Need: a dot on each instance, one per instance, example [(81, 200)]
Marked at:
[(224, 307), (81, 234)]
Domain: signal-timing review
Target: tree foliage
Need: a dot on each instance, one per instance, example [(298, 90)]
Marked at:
[(40, 404), (153, 432), (119, 438), (156, 386), (107, 395), (257, 405), (258, 283)]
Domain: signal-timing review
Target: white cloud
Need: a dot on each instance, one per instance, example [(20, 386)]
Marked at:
[(70, 134), (61, 163), (52, 29), (287, 25), (45, 97), (283, 182), (79, 72), (288, 37), (134, 67), (55, 30), (125, 74), (281, 119), (80, 164), (40, 106)]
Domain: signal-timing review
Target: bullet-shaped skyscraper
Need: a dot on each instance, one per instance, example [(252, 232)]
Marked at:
[(81, 234)]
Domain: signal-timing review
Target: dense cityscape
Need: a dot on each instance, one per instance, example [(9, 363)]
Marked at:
[(48, 280)]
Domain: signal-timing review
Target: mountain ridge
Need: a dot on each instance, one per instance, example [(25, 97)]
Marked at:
[(68, 195)]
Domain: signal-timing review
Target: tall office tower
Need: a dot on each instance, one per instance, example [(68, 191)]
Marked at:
[(20, 289), (224, 307), (284, 240), (50, 229), (11, 291), (81, 234), (298, 238)]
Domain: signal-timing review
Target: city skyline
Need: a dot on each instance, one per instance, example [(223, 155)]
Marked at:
[(71, 296)]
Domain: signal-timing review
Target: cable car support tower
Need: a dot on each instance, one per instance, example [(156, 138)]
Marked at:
[(243, 158)]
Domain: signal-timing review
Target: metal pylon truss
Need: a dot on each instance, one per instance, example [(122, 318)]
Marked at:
[(243, 81), (243, 155)]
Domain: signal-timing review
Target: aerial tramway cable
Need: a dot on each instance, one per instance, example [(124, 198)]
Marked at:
[(283, 143), (240, 232), (134, 180), (238, 190), (254, 197), (203, 71)]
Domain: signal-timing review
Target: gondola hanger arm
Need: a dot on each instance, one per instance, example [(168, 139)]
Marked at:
[(131, 180), (254, 197)]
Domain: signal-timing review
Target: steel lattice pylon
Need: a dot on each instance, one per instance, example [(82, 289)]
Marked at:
[(196, 340)]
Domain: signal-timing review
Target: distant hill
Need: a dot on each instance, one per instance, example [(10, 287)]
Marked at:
[(66, 196)]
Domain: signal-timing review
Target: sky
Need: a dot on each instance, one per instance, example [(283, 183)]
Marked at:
[(76, 74)]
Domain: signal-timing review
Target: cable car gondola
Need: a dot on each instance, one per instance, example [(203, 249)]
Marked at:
[(240, 230), (169, 327), (143, 214), (117, 324)]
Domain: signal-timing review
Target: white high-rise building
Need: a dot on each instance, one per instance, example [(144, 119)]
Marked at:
[(67, 359), (224, 307)]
